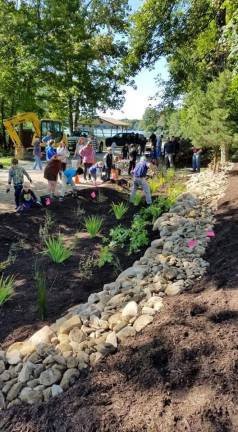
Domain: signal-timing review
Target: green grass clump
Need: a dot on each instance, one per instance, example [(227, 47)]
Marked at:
[(93, 225), (56, 250), (119, 210), (6, 288), (173, 192), (6, 161), (154, 185), (137, 198)]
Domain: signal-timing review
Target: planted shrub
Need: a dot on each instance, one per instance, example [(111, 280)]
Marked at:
[(41, 286), (119, 236), (119, 210), (56, 250), (169, 176), (6, 288), (137, 198), (154, 185), (93, 225), (173, 192), (105, 256), (138, 239)]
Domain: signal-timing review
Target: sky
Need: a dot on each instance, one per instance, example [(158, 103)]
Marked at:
[(136, 101)]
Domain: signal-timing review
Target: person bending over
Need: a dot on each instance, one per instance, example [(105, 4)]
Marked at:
[(139, 180), (68, 176)]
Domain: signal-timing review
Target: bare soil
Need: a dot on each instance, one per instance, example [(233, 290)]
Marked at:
[(179, 375)]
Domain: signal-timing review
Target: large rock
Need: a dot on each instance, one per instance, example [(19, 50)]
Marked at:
[(43, 335), (2, 366), (26, 372), (130, 310), (13, 354), (112, 339), (114, 319), (68, 325), (173, 289), (69, 378), (2, 401), (135, 271), (56, 390), (49, 377), (77, 335), (14, 391), (117, 300), (30, 395), (126, 332), (142, 322)]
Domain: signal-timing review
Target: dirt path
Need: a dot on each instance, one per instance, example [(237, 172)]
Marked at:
[(180, 375)]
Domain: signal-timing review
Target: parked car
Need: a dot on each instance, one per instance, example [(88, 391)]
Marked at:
[(126, 137)]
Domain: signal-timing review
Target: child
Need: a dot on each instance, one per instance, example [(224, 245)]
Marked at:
[(51, 172), (16, 174), (27, 198), (67, 178), (108, 162), (93, 170)]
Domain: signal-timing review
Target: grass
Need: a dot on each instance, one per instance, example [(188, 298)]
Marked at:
[(6, 161), (137, 198), (119, 210), (6, 288), (56, 250), (93, 225)]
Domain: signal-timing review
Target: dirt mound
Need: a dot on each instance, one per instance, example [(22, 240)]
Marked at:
[(180, 375)]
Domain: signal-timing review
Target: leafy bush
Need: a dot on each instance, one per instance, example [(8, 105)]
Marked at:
[(138, 239), (137, 198), (105, 256), (173, 192), (152, 212), (154, 185), (6, 288), (56, 250), (119, 236), (40, 282), (170, 174), (93, 225), (119, 210)]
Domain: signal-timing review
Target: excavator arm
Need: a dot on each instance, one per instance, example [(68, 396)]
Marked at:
[(10, 124)]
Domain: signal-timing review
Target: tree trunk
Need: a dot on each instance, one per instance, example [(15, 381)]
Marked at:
[(224, 153), (4, 141), (76, 118), (71, 122)]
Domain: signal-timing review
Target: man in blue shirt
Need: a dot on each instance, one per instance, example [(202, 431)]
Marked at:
[(50, 150), (67, 178), (48, 137), (139, 180)]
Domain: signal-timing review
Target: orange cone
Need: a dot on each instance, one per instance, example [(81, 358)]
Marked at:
[(77, 180)]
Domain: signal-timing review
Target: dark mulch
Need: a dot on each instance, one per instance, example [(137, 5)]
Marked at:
[(180, 375), (69, 283)]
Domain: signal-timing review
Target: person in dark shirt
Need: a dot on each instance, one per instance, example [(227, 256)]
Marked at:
[(125, 151), (51, 172), (132, 157), (196, 160), (108, 162), (169, 151), (28, 198)]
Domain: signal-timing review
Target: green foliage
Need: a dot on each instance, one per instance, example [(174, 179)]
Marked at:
[(138, 234), (119, 236), (154, 185), (173, 192), (56, 250), (41, 287), (150, 120), (93, 225), (105, 256), (45, 229), (169, 176), (137, 198), (6, 288), (119, 210)]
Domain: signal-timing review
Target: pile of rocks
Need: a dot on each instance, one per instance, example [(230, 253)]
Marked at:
[(52, 359)]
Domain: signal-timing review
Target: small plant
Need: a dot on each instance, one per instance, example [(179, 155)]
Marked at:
[(154, 185), (119, 236), (79, 211), (169, 176), (173, 192), (138, 239), (93, 225), (86, 266), (56, 250), (6, 288), (137, 198), (40, 282), (119, 210), (105, 256), (45, 229)]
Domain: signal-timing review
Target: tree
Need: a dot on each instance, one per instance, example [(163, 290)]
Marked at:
[(150, 120)]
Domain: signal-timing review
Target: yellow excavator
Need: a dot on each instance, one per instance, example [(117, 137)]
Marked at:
[(41, 127)]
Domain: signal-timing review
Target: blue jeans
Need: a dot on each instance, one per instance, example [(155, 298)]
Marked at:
[(196, 162), (37, 162), (18, 189), (140, 182)]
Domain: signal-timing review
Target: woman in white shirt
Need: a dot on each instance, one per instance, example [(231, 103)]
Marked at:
[(63, 154)]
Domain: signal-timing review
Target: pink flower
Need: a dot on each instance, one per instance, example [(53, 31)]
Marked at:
[(93, 195), (210, 233), (192, 243)]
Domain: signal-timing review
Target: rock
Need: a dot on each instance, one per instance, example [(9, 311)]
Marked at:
[(158, 243), (14, 391), (38, 369), (2, 355), (8, 385), (137, 271), (113, 287), (114, 319), (68, 325), (77, 335), (49, 377), (112, 339), (27, 348), (72, 362), (146, 310), (13, 355), (69, 378), (142, 322), (14, 403), (117, 300), (64, 347), (105, 348), (2, 366), (2, 401), (26, 372), (42, 336), (5, 376), (126, 332), (47, 393), (34, 358), (30, 395), (172, 289), (82, 357), (95, 358), (93, 298), (130, 310), (170, 273), (33, 383), (56, 390)]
